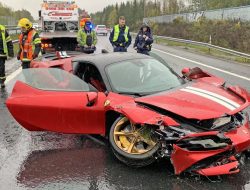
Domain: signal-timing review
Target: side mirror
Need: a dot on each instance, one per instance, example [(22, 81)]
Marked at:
[(92, 98), (185, 71), (194, 73)]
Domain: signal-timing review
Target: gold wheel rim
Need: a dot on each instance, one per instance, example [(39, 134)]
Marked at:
[(131, 139)]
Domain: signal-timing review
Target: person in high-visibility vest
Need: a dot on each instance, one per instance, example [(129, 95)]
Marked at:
[(29, 43), (120, 37), (86, 38), (6, 49)]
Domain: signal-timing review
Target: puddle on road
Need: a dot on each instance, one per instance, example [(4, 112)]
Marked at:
[(56, 161)]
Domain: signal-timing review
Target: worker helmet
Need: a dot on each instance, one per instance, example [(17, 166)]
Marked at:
[(83, 21), (25, 23)]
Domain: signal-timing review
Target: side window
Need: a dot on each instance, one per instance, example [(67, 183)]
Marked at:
[(93, 77), (79, 69), (52, 79), (89, 74)]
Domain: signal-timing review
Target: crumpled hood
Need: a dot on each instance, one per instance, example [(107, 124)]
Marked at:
[(196, 101)]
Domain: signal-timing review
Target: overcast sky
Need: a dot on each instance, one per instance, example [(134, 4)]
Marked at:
[(33, 5)]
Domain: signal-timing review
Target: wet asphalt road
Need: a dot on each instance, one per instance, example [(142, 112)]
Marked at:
[(44, 160)]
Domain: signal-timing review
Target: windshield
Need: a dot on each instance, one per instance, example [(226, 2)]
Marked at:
[(52, 79), (144, 76)]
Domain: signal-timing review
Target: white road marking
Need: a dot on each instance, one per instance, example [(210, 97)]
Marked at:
[(202, 64), (13, 75), (210, 98), (215, 95)]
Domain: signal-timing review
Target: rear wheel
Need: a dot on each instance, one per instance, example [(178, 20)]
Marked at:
[(134, 145)]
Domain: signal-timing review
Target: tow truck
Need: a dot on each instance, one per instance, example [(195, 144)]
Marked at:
[(60, 23)]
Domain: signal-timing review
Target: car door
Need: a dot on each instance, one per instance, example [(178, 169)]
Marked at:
[(54, 100)]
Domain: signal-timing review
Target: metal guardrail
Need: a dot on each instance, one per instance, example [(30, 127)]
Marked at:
[(15, 29), (225, 50)]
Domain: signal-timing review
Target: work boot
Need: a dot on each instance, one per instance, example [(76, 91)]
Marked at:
[(2, 85)]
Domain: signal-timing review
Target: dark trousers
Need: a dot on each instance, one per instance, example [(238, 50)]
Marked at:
[(120, 49), (26, 65), (2, 70)]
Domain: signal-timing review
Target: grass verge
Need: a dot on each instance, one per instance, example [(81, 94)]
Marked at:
[(204, 50)]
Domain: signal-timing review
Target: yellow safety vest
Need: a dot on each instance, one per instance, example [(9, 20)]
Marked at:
[(29, 46), (82, 36), (117, 32), (5, 41)]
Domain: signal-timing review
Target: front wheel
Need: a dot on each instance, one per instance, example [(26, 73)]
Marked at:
[(134, 145)]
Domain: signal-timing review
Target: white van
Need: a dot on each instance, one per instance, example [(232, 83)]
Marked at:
[(101, 29)]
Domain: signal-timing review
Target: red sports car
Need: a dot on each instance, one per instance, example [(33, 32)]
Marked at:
[(143, 107)]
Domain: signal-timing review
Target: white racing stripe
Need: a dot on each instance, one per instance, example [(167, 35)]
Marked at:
[(230, 107), (236, 105), (204, 65), (13, 75)]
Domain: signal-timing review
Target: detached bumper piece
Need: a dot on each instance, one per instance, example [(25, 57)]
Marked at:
[(208, 155), (225, 169)]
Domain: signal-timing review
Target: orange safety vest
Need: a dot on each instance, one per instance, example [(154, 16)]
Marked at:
[(28, 47)]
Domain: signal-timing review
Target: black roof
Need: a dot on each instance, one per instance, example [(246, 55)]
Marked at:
[(104, 59)]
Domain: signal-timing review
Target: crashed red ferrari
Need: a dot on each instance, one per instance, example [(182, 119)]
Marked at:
[(143, 107)]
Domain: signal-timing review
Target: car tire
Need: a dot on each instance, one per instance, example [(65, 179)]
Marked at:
[(130, 159)]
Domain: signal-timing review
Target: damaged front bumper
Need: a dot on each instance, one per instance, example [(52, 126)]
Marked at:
[(210, 153)]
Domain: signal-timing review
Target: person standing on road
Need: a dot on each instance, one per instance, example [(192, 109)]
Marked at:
[(143, 40), (120, 37), (6, 49), (29, 43), (86, 38)]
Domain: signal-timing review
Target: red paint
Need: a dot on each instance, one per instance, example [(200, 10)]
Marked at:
[(183, 159), (240, 142), (64, 64), (70, 112), (230, 168), (64, 112), (240, 137), (194, 106)]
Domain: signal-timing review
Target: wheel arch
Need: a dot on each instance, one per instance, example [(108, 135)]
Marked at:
[(111, 116)]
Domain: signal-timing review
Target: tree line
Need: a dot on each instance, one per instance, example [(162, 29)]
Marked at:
[(202, 5), (230, 34), (136, 10), (8, 16)]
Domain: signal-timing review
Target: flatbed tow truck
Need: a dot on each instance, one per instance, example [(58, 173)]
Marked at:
[(59, 23)]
